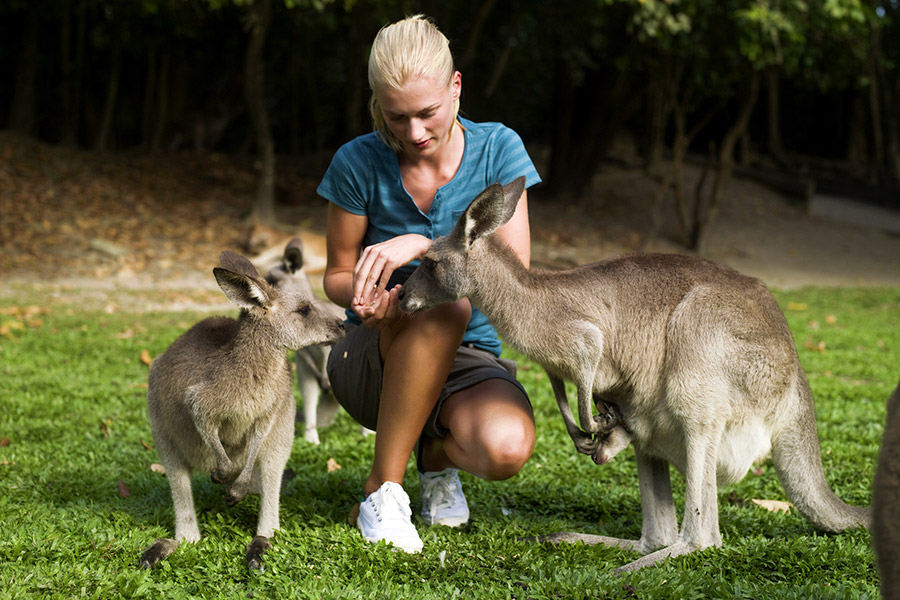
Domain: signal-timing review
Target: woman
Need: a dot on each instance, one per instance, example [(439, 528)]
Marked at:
[(431, 381)]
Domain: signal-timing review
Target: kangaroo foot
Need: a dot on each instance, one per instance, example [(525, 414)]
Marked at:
[(160, 549), (255, 550)]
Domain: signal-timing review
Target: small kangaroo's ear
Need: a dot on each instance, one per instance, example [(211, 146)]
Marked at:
[(491, 209), (237, 263), (243, 290), (241, 282), (293, 255)]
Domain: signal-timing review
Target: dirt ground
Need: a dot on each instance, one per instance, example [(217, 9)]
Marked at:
[(77, 223)]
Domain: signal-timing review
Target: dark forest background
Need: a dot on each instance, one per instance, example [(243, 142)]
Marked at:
[(804, 95)]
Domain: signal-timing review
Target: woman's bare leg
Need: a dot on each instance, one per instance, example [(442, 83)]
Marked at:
[(491, 432), (418, 353)]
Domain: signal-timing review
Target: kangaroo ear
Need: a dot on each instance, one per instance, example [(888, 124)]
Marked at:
[(237, 263), (293, 255), (490, 209), (241, 282), (244, 291)]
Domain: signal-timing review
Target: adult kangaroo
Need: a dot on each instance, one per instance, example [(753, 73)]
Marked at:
[(886, 502), (698, 358)]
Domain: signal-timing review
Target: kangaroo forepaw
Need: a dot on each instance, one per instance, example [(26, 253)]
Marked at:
[(255, 550), (586, 444), (222, 474), (160, 549)]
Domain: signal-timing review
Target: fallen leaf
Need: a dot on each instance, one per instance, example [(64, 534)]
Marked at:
[(124, 490), (146, 358), (158, 468), (797, 305), (831, 319), (4, 442), (774, 505), (333, 465), (815, 347), (104, 427), (146, 445)]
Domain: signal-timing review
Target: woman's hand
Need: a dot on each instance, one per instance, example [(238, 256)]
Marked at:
[(385, 307), (375, 266)]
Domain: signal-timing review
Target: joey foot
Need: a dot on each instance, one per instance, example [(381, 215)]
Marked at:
[(255, 550), (160, 549), (236, 492)]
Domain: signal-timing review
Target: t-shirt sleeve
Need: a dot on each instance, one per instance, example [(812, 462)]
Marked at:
[(512, 159), (343, 183)]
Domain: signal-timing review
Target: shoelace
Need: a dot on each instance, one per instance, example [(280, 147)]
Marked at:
[(439, 491), (394, 493)]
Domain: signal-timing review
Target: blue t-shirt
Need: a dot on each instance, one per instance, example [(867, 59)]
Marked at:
[(364, 179)]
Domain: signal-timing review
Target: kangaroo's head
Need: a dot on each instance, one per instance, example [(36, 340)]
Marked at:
[(287, 317), (288, 273), (443, 274)]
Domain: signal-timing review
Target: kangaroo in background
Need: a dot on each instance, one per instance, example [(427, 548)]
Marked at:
[(319, 404), (698, 358), (220, 399), (886, 503)]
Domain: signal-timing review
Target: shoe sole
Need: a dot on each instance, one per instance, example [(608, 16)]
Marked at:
[(447, 521)]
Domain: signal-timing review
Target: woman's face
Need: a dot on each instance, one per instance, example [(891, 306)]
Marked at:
[(421, 113)]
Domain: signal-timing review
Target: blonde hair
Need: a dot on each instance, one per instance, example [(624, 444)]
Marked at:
[(411, 48)]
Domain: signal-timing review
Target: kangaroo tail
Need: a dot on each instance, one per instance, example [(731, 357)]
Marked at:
[(798, 462)]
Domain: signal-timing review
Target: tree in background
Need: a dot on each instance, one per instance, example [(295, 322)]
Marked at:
[(810, 87)]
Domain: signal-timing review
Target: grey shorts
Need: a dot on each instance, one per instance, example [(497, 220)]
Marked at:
[(355, 370)]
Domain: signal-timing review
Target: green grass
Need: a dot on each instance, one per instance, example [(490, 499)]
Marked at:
[(72, 407)]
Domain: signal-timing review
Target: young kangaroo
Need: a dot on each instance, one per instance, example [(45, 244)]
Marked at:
[(886, 502), (319, 404), (698, 358), (220, 399)]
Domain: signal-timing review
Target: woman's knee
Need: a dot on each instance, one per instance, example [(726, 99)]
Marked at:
[(508, 445)]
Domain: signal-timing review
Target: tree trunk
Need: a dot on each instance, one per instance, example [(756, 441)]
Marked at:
[(67, 130), (161, 114), (72, 115), (254, 92), (706, 212), (773, 96), (356, 88), (112, 94), (22, 109), (148, 111), (857, 150), (890, 116), (475, 34), (875, 99), (561, 141)]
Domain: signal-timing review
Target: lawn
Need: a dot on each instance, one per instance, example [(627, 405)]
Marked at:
[(79, 499)]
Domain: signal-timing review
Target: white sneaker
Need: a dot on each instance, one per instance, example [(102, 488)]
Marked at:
[(385, 515), (443, 502)]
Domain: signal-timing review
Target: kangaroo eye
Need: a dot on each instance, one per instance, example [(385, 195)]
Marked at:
[(429, 264), (304, 310)]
